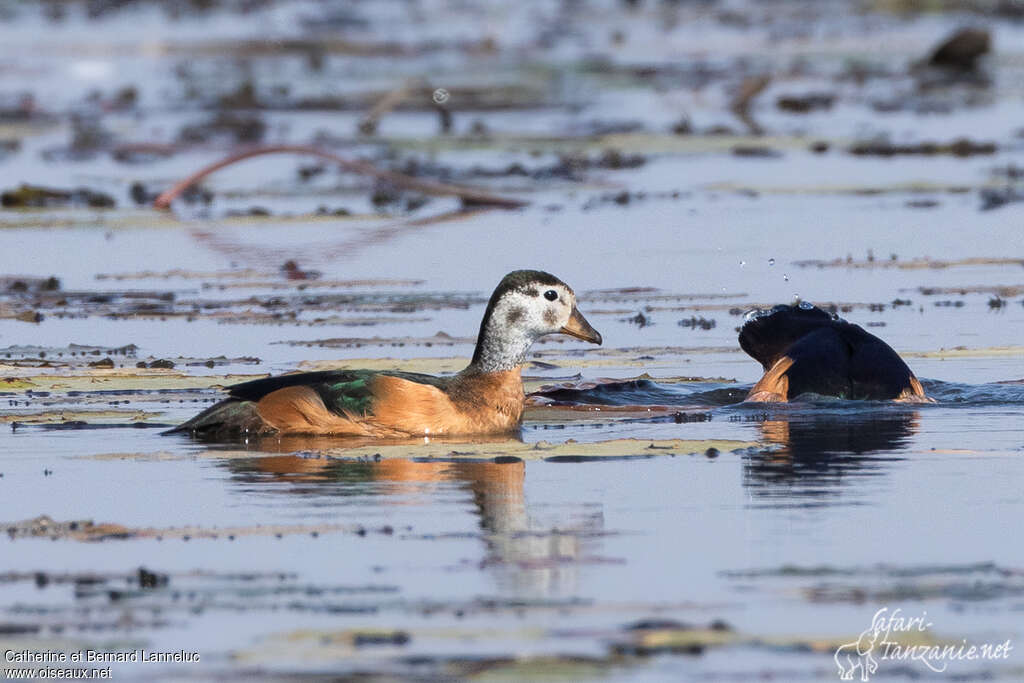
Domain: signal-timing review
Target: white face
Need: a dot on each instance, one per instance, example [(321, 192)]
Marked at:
[(534, 310), (527, 310)]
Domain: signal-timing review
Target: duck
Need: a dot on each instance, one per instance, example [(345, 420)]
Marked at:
[(486, 397), (806, 350)]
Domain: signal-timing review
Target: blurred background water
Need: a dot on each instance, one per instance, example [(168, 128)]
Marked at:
[(679, 163)]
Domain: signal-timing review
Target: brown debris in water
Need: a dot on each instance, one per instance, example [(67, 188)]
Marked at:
[(962, 49), (756, 152), (238, 128), (697, 323), (28, 316), (1001, 290), (469, 196), (86, 381), (71, 417), (803, 104), (995, 198), (961, 147), (87, 530), (744, 98), (320, 451), (650, 637), (911, 264), (439, 339), (28, 284), (37, 197), (414, 87)]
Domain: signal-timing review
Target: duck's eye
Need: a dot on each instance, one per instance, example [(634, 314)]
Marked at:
[(551, 295)]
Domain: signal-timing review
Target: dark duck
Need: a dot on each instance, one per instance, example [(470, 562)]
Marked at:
[(805, 350)]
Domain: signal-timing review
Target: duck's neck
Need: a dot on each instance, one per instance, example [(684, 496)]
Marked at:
[(499, 349)]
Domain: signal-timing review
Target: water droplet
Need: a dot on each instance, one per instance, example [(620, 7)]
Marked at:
[(742, 263), (806, 305), (785, 277), (771, 262)]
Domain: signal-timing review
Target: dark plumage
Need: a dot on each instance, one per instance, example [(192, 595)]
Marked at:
[(803, 350)]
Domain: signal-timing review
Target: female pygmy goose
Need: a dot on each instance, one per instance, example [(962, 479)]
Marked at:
[(486, 397)]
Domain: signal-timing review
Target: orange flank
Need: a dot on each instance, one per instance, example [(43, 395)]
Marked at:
[(473, 403), (300, 410)]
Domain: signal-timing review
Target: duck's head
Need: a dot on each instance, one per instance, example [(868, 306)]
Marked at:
[(526, 305)]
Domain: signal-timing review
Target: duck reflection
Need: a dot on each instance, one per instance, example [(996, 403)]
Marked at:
[(822, 452), (527, 552)]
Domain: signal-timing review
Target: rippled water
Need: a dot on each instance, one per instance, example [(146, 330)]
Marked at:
[(852, 506), (726, 542)]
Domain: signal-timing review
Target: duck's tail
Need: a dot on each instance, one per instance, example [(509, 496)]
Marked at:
[(229, 417)]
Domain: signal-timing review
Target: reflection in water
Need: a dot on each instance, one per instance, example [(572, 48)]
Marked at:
[(641, 392), (527, 555), (337, 249), (822, 452)]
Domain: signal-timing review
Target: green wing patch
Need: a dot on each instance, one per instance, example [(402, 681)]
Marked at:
[(342, 391), (348, 391), (348, 396)]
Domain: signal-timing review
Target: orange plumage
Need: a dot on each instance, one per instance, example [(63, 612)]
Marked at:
[(485, 398)]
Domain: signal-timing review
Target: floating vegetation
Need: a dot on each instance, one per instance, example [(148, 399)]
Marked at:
[(911, 264), (36, 197), (495, 451), (892, 583), (345, 178), (961, 147), (89, 531)]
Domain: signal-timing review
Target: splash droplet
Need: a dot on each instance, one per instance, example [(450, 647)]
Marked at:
[(785, 277), (742, 263), (771, 262)]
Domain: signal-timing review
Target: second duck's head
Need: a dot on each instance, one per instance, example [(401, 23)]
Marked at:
[(525, 306)]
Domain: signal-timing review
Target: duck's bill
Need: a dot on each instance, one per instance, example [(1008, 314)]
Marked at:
[(579, 327)]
